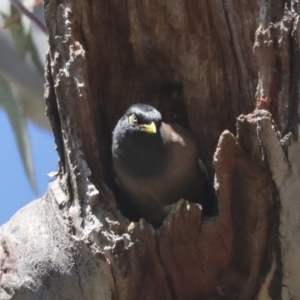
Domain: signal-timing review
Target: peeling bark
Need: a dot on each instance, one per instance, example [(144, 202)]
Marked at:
[(226, 70)]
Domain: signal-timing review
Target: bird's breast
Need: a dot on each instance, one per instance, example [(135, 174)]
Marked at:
[(143, 160), (140, 166)]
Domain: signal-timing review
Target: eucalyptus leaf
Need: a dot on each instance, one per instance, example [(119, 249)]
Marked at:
[(11, 103), (25, 21), (17, 32), (22, 37), (8, 20), (34, 55)]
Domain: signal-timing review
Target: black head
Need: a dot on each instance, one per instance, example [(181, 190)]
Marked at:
[(143, 117), (141, 122), (137, 142)]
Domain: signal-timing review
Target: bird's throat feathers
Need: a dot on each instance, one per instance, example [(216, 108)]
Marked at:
[(139, 153)]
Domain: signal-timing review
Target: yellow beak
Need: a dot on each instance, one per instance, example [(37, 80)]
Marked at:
[(149, 128)]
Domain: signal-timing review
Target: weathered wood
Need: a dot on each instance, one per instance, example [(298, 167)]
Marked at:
[(202, 64)]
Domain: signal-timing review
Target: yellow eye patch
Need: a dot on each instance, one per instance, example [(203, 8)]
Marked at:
[(132, 119), (149, 128)]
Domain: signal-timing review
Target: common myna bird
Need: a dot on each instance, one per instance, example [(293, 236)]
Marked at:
[(156, 163)]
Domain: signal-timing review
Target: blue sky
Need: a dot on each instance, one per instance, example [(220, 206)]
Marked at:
[(15, 190)]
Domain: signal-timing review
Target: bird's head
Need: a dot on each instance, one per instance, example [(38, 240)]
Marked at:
[(142, 117), (137, 141), (138, 130)]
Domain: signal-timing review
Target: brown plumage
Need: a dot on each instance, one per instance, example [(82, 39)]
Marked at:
[(156, 164)]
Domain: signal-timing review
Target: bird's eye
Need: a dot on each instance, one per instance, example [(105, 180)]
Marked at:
[(133, 121)]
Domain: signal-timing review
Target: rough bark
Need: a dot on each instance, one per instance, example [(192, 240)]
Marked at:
[(228, 71)]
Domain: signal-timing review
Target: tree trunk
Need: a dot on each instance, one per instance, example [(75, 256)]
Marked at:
[(228, 71)]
